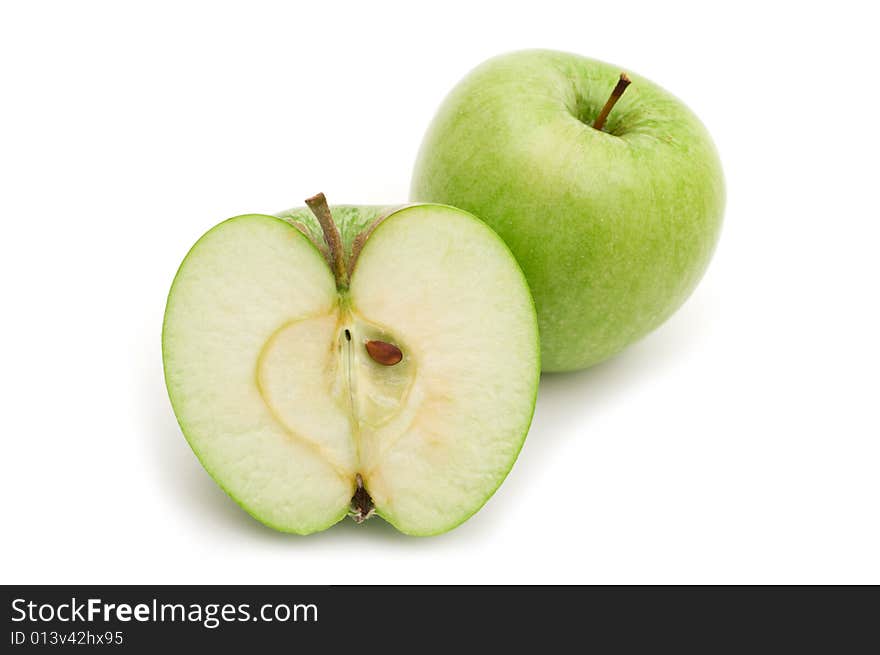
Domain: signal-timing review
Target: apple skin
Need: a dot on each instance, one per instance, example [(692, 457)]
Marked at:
[(613, 228)]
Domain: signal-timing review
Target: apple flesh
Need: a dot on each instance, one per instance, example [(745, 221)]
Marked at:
[(389, 366), (613, 227)]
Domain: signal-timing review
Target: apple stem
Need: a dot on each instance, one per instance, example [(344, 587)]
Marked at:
[(321, 210), (622, 83)]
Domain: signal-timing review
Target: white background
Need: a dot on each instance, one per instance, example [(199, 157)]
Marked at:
[(739, 443)]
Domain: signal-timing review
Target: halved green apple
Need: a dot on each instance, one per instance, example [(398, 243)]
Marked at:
[(383, 362)]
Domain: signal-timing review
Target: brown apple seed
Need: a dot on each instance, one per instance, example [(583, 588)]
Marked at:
[(386, 354)]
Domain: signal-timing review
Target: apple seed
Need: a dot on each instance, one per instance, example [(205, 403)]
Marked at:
[(386, 354)]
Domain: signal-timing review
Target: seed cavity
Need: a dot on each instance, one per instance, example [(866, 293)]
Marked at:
[(386, 354)]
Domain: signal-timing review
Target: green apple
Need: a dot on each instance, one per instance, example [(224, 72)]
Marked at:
[(614, 226), (383, 363)]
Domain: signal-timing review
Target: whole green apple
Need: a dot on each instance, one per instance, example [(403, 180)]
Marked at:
[(614, 226)]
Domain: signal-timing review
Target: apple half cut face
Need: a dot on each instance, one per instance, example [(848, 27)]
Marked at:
[(386, 362)]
